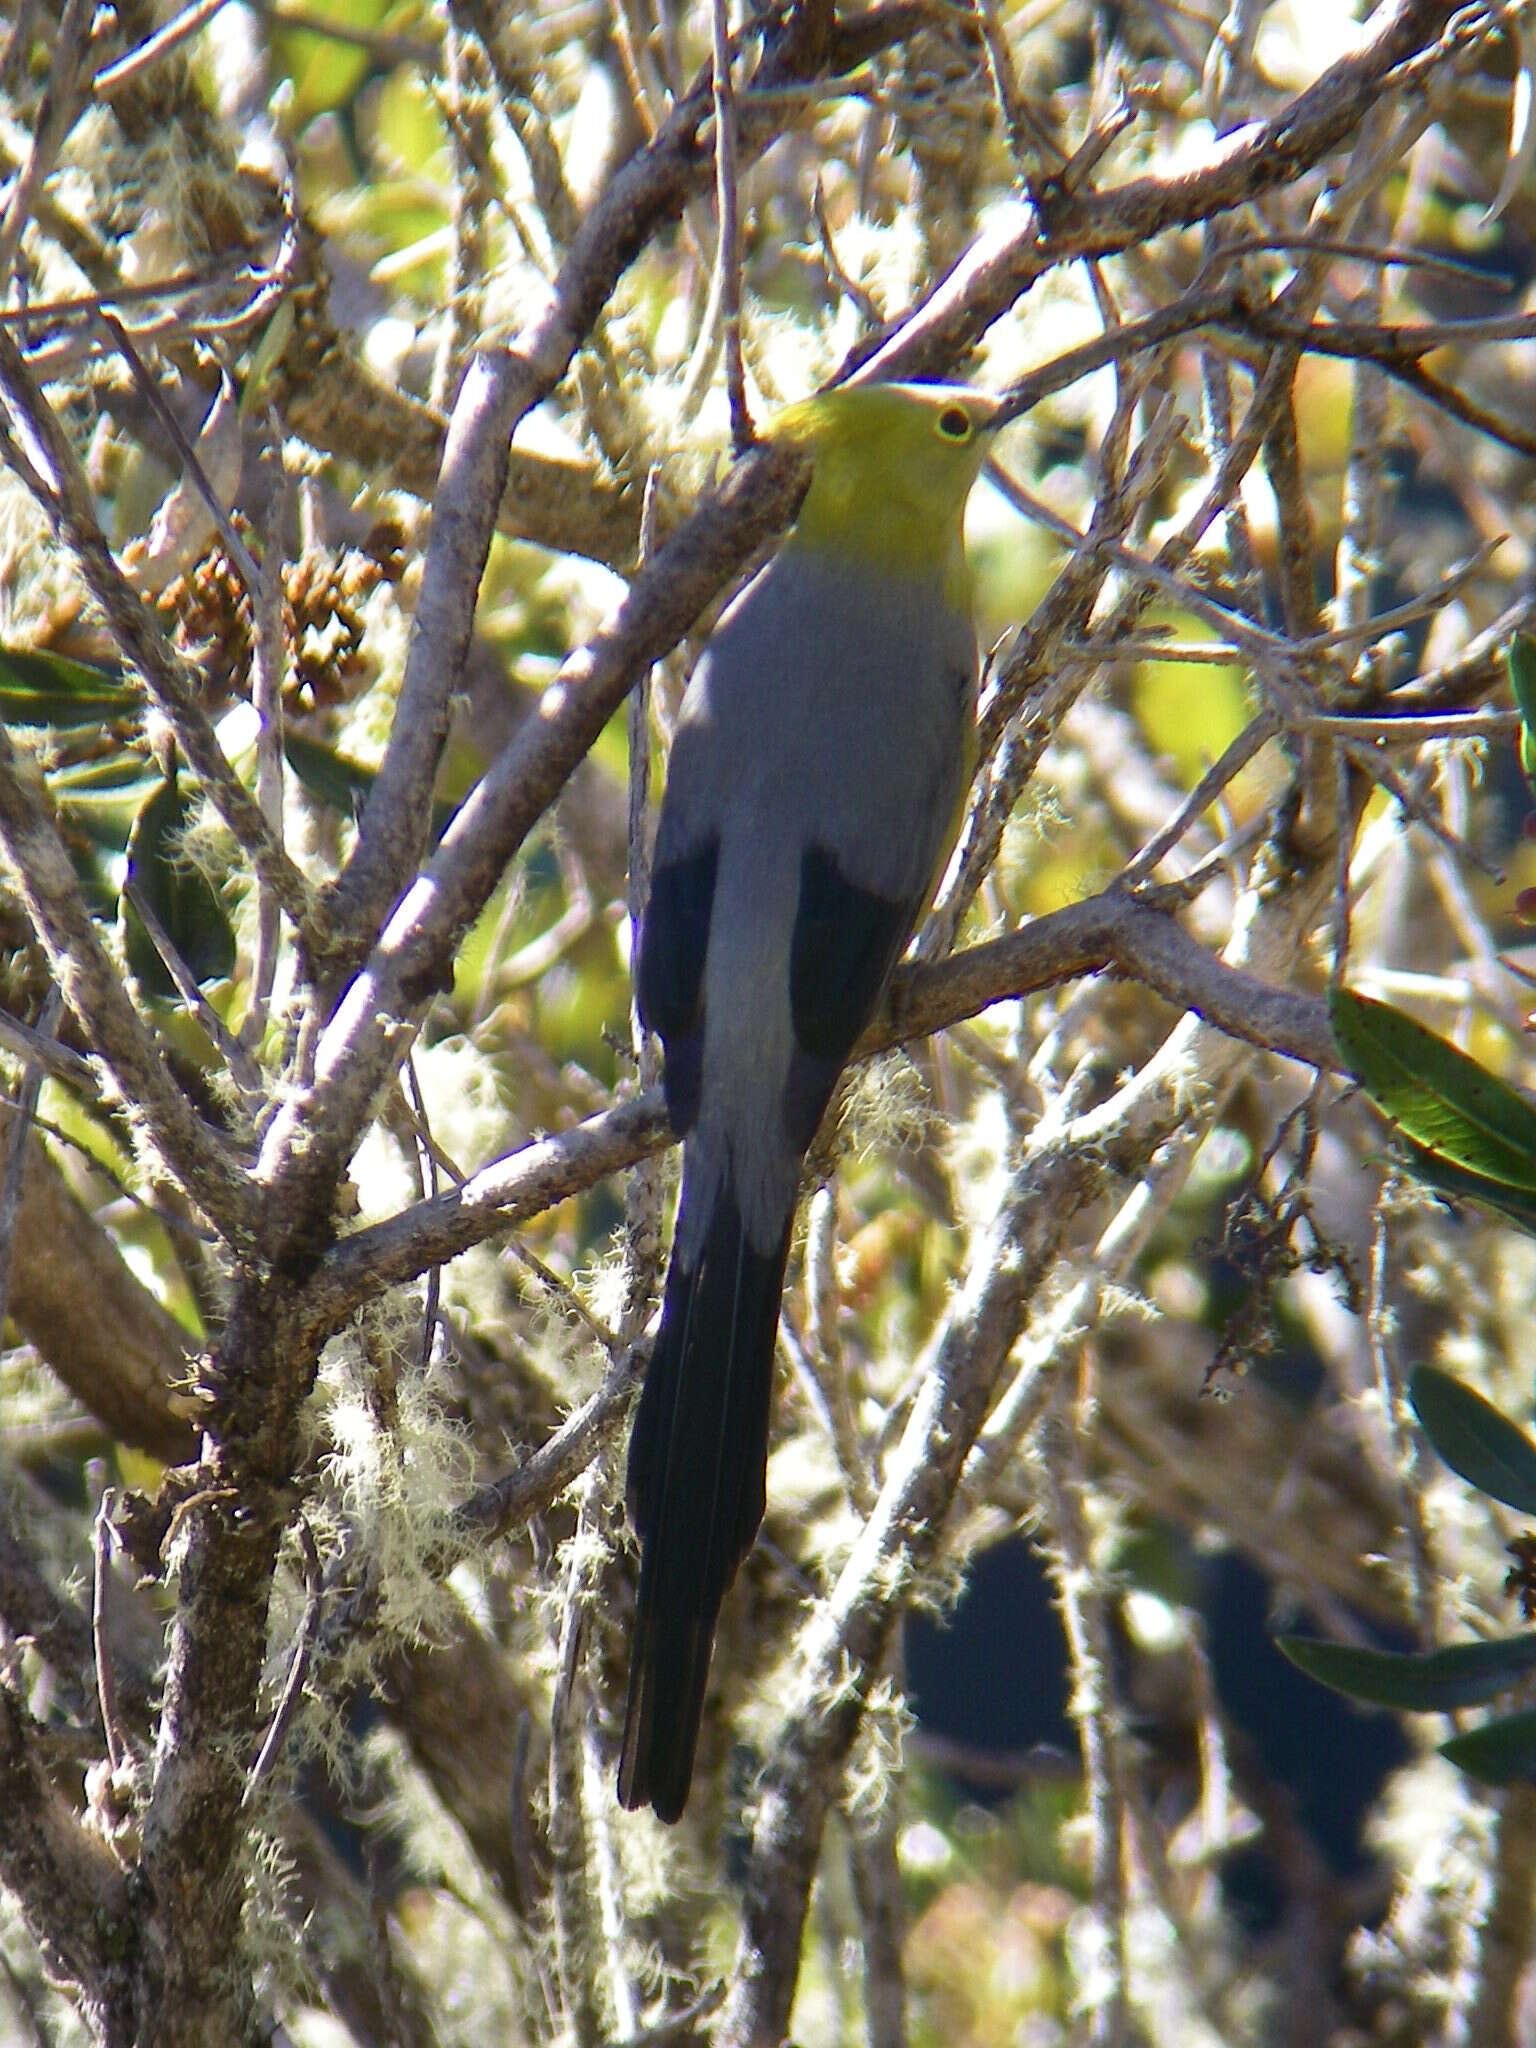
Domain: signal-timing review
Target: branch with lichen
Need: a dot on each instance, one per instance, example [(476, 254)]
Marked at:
[(383, 935)]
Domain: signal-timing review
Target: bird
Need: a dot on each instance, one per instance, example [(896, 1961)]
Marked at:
[(818, 768)]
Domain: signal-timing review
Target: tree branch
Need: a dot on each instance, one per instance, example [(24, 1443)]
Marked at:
[(1243, 164), (71, 1890), (1115, 931), (97, 1326), (318, 1127)]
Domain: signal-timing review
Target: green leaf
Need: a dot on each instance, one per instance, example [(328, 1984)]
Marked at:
[(1515, 1205), (408, 122), (103, 778), (333, 780), (340, 784), (1475, 1439), (182, 899), (38, 688), (265, 357), (1440, 1098), (1500, 1752), (1428, 1682), (98, 801), (1171, 701), (326, 71), (1521, 662)]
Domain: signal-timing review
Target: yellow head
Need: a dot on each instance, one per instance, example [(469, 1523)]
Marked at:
[(892, 467)]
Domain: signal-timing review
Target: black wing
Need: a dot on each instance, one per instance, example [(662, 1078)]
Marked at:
[(846, 941), (669, 976)]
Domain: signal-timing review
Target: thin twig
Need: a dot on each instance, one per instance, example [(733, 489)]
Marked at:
[(837, 272), (728, 227), (467, 120), (1415, 808), (827, 1400), (1098, 1716), (564, 1294), (283, 1718), (427, 1183), (18, 46), (30, 1046), (18, 1141), (643, 1188), (268, 666), (820, 1359), (1389, 255), (878, 1888), (576, 1948), (509, 1502), (1146, 644), (179, 29), (1402, 1437), (1005, 82), (243, 1069), (56, 116), (119, 1751), (240, 556), (534, 959), (1403, 729), (1233, 759), (611, 1897)]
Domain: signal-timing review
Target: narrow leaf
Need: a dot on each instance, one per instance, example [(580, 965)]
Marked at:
[(104, 776), (1521, 663), (1522, 131), (1433, 1681), (103, 811), (183, 901), (1440, 1098), (330, 778), (1501, 1752), (1475, 1439), (340, 784), (1515, 1205), (39, 688)]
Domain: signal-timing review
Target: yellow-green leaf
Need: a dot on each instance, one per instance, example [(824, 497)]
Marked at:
[(41, 688), (1439, 1097), (1515, 1205), (1521, 662)]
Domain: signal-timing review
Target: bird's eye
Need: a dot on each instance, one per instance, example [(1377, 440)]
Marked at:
[(955, 423)]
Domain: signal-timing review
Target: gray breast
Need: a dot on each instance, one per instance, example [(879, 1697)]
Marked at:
[(833, 704)]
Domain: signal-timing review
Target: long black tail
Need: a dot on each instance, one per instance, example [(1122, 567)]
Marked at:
[(697, 1464)]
